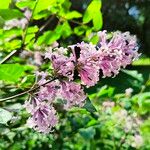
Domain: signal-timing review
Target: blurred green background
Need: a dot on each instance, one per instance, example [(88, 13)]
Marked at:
[(117, 114)]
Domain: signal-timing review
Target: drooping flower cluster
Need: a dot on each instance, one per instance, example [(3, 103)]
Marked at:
[(62, 64), (40, 106), (80, 61), (117, 52), (87, 62)]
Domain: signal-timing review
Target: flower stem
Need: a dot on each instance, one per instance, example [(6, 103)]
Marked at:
[(26, 92)]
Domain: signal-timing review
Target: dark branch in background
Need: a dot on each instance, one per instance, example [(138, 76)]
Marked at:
[(43, 27), (26, 92), (73, 21), (40, 32), (23, 37)]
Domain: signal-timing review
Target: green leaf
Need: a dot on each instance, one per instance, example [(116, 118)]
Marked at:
[(89, 106), (66, 30), (25, 3), (29, 37), (42, 14), (93, 13), (142, 62), (32, 29), (27, 81), (2, 22), (49, 37), (98, 21), (15, 32), (5, 116), (14, 107), (105, 91), (144, 100), (43, 5), (11, 72), (8, 14), (134, 74), (12, 44), (65, 4), (71, 15), (31, 34), (87, 133), (80, 30), (4, 4)]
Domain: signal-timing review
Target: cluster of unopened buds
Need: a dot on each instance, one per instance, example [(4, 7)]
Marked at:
[(74, 67)]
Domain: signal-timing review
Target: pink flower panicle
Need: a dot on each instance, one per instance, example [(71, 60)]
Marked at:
[(109, 56), (88, 63), (43, 118), (48, 92), (73, 94), (40, 106), (116, 52), (62, 64)]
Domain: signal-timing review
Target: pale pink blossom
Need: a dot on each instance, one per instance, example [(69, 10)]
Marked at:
[(63, 65), (116, 52), (43, 118), (49, 91), (108, 104), (38, 58), (128, 92), (31, 104), (87, 61), (73, 94), (41, 77), (137, 141)]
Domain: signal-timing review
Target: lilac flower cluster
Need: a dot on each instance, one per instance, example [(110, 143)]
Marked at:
[(80, 61)]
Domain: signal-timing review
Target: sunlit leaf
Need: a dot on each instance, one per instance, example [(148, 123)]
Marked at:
[(72, 14), (93, 13), (79, 30), (26, 3), (4, 4), (66, 29), (11, 72), (5, 116), (49, 37), (8, 14), (44, 4)]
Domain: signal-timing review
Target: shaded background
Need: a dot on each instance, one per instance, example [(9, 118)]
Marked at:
[(125, 15)]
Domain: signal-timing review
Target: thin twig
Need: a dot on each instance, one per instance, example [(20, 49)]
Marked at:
[(26, 29), (8, 56), (49, 20), (43, 27), (73, 21), (26, 92)]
